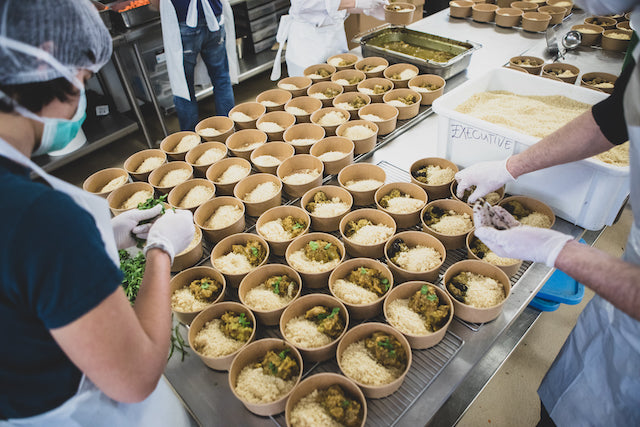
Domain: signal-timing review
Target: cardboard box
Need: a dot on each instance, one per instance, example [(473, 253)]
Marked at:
[(358, 23)]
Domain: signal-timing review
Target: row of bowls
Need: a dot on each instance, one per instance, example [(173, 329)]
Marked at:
[(529, 15)]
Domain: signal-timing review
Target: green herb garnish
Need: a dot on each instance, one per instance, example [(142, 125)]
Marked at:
[(297, 226), (283, 353), (243, 320), (327, 246), (363, 270), (254, 251), (276, 285), (345, 403), (133, 269), (323, 316), (424, 290), (386, 344), (432, 297), (151, 202), (178, 343), (385, 282), (273, 368), (392, 353), (314, 245), (205, 285)]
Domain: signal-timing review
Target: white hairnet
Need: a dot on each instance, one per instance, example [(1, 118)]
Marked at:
[(71, 31)]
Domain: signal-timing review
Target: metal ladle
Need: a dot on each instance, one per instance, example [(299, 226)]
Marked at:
[(572, 39)]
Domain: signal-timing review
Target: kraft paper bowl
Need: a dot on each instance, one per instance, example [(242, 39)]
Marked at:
[(188, 257), (97, 181), (177, 194), (222, 124), (216, 170), (169, 144), (318, 88), (441, 191), (359, 333), (282, 119), (303, 131), (533, 205), (387, 113), (243, 142), (449, 241), (558, 67), (483, 12), (313, 70), (611, 42), (207, 209), (525, 6), (314, 280), (298, 308), (343, 61), (356, 75), (527, 62), (184, 278), (134, 161), (361, 145), (279, 247), (366, 87), (403, 220), (334, 144), (509, 270), (359, 172), (591, 34), (398, 13), (377, 217), (454, 196), (566, 4), (155, 177), (428, 96), (623, 25), (330, 130), (298, 163), (475, 314), (342, 101), (460, 8), (193, 156), (213, 312), (508, 17), (556, 12), (405, 291), (408, 111), (535, 21), (224, 246), (588, 81), (120, 195), (372, 61), (248, 184), (331, 223), (397, 69), (254, 353), (279, 150), (257, 277), (252, 109), (306, 103), (277, 96), (301, 83), (412, 239), (602, 21)]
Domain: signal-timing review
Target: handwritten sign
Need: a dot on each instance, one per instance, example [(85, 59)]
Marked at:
[(469, 144)]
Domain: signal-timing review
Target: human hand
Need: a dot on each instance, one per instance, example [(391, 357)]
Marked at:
[(486, 176), (373, 8), (518, 241), (172, 232), (127, 225)]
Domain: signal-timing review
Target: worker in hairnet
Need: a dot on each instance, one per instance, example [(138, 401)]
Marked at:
[(314, 30), (75, 353), (595, 379)]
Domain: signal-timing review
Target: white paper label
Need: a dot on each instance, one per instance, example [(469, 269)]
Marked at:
[(469, 145), (102, 110), (161, 58)]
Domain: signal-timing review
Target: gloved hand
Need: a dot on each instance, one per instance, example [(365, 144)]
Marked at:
[(127, 223), (172, 232), (518, 241), (373, 8), (486, 176)]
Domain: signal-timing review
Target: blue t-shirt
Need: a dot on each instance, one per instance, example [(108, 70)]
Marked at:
[(53, 270), (183, 5)]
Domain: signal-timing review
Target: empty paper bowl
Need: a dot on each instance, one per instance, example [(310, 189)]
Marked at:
[(430, 87), (525, 6), (363, 133), (302, 107), (246, 114), (243, 142), (223, 224), (508, 17), (566, 4), (176, 145), (325, 92), (362, 180), (274, 99), (252, 190), (268, 157), (297, 86), (535, 21), (335, 152), (217, 128), (372, 66), (179, 172), (383, 115), (303, 135), (204, 155), (413, 239), (343, 61), (327, 220), (375, 88), (483, 12), (103, 182), (142, 163), (319, 72), (275, 123)]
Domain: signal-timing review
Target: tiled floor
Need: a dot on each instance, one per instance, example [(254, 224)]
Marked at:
[(510, 398)]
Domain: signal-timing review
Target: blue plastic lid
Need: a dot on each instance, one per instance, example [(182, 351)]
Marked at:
[(543, 304), (562, 288)]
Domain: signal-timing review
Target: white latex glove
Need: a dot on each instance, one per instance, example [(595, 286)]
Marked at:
[(486, 176), (373, 8), (126, 225), (172, 232), (518, 241)]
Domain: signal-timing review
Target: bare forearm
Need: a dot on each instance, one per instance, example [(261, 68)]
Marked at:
[(347, 4), (579, 139), (613, 279)]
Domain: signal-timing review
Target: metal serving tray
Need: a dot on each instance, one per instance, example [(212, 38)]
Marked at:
[(388, 33)]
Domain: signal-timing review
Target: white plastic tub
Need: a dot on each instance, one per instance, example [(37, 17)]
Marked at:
[(588, 193)]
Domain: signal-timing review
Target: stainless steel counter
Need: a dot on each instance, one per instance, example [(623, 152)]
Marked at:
[(471, 353)]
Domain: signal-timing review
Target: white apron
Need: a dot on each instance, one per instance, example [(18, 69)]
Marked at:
[(595, 380), (172, 41), (308, 44), (89, 406)]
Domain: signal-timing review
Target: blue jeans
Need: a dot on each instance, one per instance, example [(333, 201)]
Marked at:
[(211, 46)]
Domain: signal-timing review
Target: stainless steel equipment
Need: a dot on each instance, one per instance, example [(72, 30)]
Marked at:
[(129, 18)]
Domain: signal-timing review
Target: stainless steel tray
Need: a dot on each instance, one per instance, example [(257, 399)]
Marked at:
[(388, 33), (132, 17)]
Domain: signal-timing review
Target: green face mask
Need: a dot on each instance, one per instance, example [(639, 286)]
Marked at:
[(58, 133)]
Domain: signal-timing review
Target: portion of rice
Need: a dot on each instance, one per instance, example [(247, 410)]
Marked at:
[(363, 184), (114, 183), (149, 164), (136, 198), (404, 319), (419, 259), (372, 234), (232, 174), (301, 176), (309, 412), (233, 263), (263, 191), (186, 143), (453, 224), (224, 216), (210, 156), (299, 261), (332, 118), (358, 132), (270, 127), (296, 111), (266, 161), (210, 341), (359, 365), (238, 116), (331, 156), (304, 333), (254, 386), (174, 177), (352, 293)]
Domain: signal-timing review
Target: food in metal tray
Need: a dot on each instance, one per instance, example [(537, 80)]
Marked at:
[(415, 50)]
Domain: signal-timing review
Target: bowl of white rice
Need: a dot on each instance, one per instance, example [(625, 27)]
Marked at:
[(375, 88), (348, 79), (430, 86), (326, 206), (238, 254), (358, 364), (352, 102), (300, 173), (204, 155), (476, 249), (195, 289), (191, 194), (297, 86), (246, 115), (220, 217), (529, 211), (274, 99), (363, 133), (302, 107), (330, 118), (169, 175), (312, 324), (325, 92), (176, 145), (400, 74), (190, 255), (483, 287), (303, 135), (226, 173), (314, 272), (243, 142), (275, 123), (268, 157), (268, 290), (262, 391), (128, 196), (362, 180), (449, 221), (305, 408), (343, 61), (280, 225), (372, 66), (434, 175), (407, 101), (319, 72), (259, 193), (139, 165), (421, 311), (383, 115), (403, 201), (365, 232), (415, 255), (361, 284), (217, 128), (335, 152), (493, 198), (208, 339), (103, 182)]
